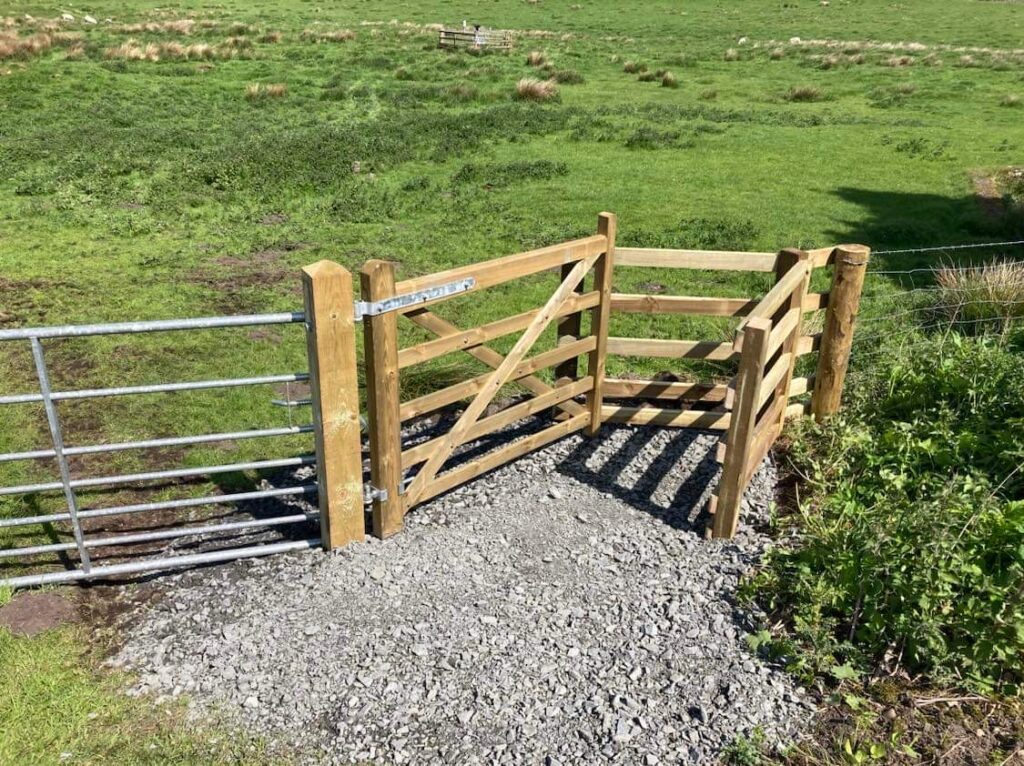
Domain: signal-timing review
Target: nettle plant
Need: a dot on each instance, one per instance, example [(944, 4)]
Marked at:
[(911, 555)]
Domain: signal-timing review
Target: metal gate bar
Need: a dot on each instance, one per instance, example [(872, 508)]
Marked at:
[(175, 441), (176, 473), (157, 388), (68, 485), (58, 449), (170, 562), (188, 502), (163, 534)]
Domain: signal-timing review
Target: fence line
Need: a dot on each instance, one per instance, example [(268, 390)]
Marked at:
[(751, 410), (943, 248)]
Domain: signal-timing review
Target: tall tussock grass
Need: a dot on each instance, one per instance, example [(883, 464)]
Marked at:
[(973, 295), (531, 89)]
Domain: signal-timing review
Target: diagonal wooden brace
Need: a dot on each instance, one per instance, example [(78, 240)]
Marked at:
[(499, 378), (441, 327)]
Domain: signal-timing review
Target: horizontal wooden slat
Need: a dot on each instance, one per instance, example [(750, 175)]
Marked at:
[(438, 399), (663, 389), (815, 301), (498, 270), (797, 410), (780, 293), (773, 378), (499, 457), (671, 349), (657, 416), (709, 260), (477, 336), (484, 426), (671, 304), (783, 330), (808, 344), (799, 386), (821, 256)]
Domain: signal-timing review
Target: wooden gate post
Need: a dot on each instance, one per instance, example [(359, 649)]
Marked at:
[(848, 269), (331, 348), (382, 399), (599, 317), (739, 438)]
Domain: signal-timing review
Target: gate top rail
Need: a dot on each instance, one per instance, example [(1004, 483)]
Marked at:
[(157, 325)]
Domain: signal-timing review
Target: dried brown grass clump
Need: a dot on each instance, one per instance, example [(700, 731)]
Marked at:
[(238, 43), (132, 50), (900, 61), (239, 28), (271, 37), (994, 291), (173, 27), (803, 94), (536, 58), (668, 80), (13, 46), (634, 67), (260, 91), (330, 36), (530, 89), (709, 95), (966, 61), (75, 53), (776, 53), (731, 55), (1011, 100), (647, 77)]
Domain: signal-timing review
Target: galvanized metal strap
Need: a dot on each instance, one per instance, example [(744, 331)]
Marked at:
[(398, 302)]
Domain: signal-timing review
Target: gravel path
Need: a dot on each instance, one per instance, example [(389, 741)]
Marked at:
[(562, 610)]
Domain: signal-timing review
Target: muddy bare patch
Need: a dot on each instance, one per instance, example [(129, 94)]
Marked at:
[(30, 613)]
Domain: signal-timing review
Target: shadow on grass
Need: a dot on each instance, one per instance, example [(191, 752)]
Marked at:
[(900, 220)]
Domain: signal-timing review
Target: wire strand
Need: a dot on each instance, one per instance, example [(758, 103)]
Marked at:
[(941, 248)]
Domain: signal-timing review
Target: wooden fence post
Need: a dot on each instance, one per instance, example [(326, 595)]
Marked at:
[(739, 438), (599, 317), (789, 259), (848, 269), (567, 331), (331, 348), (382, 399)]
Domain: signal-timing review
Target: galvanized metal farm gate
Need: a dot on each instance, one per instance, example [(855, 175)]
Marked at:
[(750, 409)]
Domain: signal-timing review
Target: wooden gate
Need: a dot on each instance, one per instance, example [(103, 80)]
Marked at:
[(395, 488), (769, 341)]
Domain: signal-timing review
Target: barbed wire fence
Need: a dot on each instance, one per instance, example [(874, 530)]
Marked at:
[(932, 311)]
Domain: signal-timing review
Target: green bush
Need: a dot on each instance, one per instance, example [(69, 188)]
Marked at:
[(913, 554)]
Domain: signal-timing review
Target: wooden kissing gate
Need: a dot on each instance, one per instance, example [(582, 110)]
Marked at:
[(750, 410)]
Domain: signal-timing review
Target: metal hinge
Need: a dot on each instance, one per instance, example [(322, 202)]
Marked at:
[(373, 308), (371, 494)]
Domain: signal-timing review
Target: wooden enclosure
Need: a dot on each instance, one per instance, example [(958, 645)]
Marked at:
[(749, 408), (470, 38)]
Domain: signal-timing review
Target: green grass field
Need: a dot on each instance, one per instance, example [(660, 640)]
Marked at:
[(160, 188), (144, 173)]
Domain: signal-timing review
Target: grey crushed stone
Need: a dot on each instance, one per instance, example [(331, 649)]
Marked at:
[(563, 609)]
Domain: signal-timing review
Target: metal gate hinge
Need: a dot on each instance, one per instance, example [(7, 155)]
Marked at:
[(371, 494), (374, 308)]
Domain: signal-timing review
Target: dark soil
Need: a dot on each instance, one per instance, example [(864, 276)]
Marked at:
[(31, 613), (917, 725)]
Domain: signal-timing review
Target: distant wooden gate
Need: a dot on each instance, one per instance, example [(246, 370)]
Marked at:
[(393, 494)]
